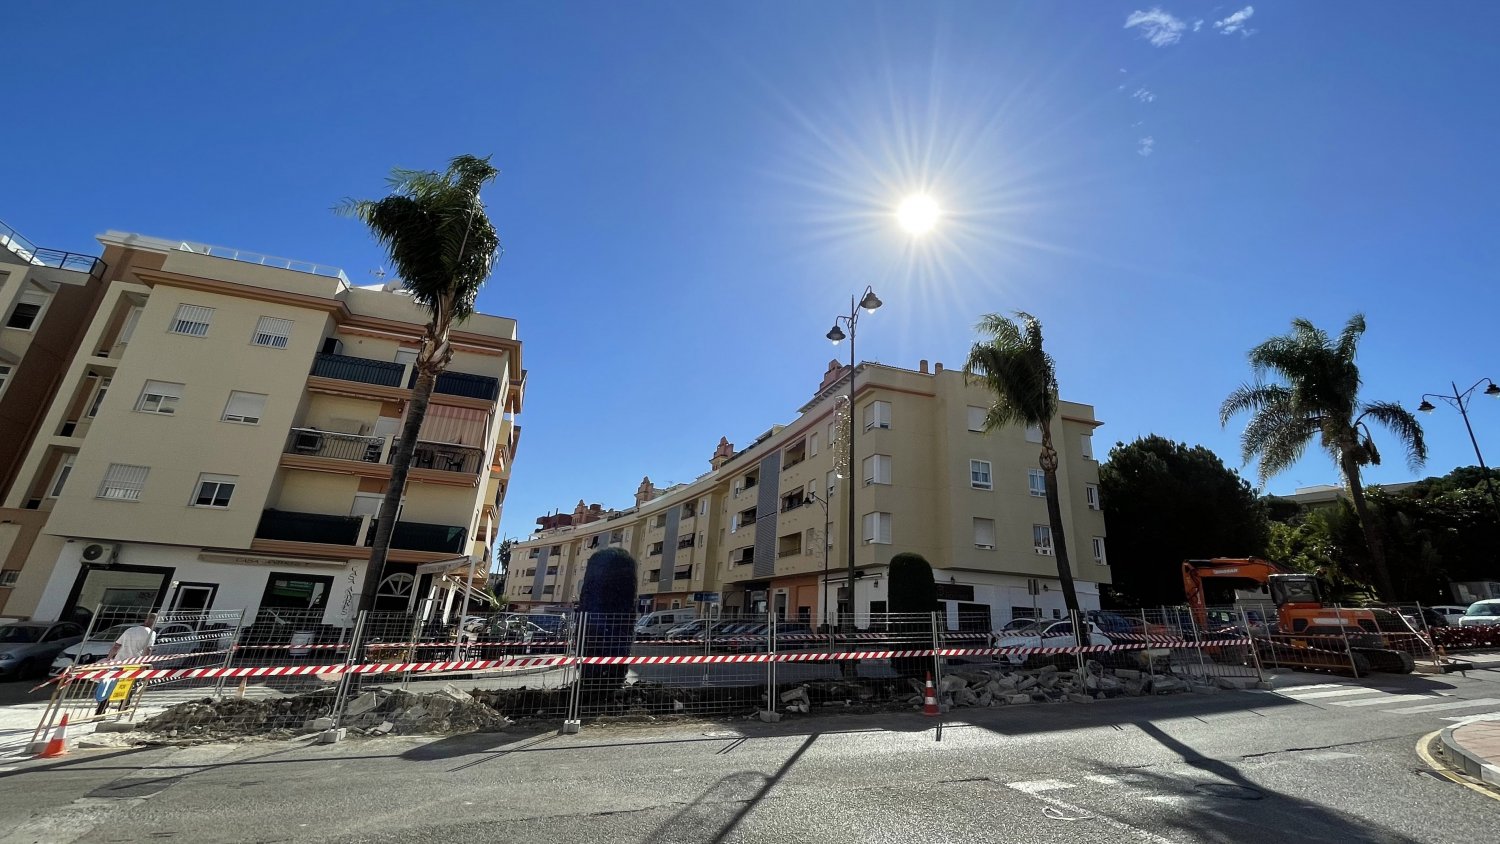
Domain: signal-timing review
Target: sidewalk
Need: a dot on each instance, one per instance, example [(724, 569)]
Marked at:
[(1475, 747)]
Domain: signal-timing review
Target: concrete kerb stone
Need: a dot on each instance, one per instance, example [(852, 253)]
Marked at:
[(1468, 761)]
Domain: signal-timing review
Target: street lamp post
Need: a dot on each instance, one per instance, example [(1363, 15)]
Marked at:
[(1461, 402), (870, 302)]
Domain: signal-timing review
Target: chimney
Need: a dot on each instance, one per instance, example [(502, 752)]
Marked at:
[(936, 368), (722, 454), (578, 512), (645, 492), (832, 375), (922, 367)]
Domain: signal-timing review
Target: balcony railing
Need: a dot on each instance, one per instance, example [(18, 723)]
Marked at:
[(683, 574), (788, 552), (315, 443), (463, 384), (449, 458), (348, 368), (308, 527), (686, 541), (42, 257), (416, 536)]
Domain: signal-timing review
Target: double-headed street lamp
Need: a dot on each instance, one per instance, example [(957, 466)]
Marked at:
[(869, 302), (1461, 401)]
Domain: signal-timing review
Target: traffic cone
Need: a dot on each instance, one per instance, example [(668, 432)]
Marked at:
[(58, 744), (929, 698)]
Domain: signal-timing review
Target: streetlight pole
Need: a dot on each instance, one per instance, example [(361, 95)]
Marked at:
[(870, 302), (1460, 400), (827, 525)]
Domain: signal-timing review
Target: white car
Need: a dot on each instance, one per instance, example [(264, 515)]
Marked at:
[(1449, 612), (1481, 613), (1058, 634), (184, 641)]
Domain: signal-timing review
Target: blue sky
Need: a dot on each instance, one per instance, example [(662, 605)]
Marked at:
[(691, 191)]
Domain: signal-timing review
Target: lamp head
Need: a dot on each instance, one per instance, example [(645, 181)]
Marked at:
[(871, 302), (1492, 390), (835, 334), (1426, 406)]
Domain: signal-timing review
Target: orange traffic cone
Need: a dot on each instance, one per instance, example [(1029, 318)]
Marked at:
[(58, 744), (929, 698)]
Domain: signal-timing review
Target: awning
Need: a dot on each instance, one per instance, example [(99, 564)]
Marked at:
[(454, 425)]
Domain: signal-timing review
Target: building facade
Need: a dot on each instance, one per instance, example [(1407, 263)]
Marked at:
[(227, 441), (766, 527)]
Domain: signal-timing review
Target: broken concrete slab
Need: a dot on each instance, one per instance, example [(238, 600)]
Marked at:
[(332, 736), (1238, 682), (362, 704)]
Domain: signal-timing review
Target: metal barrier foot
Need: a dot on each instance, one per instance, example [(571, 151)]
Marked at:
[(570, 727)]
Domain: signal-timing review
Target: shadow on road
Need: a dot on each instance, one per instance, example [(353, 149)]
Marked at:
[(716, 812)]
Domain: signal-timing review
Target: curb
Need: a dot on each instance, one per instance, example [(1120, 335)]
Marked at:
[(1467, 761)]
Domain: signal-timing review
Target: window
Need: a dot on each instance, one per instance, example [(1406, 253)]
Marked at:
[(98, 398), (877, 469), (878, 528), (976, 418), (9, 577), (123, 482), (214, 490), (529, 573), (533, 555), (1086, 446), (1091, 494), (556, 551), (61, 477), (979, 475), (525, 590), (5, 371), (551, 571), (594, 540), (984, 534), (877, 415), (833, 483), (192, 320), (689, 509), (28, 310), (655, 550), (272, 332), (245, 408), (367, 504), (1099, 551), (1041, 539), (547, 590), (812, 444), (159, 397), (1033, 433), (1036, 482)]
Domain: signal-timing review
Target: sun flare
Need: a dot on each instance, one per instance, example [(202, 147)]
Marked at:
[(918, 213)]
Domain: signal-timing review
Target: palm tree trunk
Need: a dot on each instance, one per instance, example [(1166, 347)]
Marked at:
[(385, 523), (1059, 537), (1373, 538)]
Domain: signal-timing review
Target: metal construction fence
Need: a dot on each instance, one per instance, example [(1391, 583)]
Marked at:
[(286, 669)]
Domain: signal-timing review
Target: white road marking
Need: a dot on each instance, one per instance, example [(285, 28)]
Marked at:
[(1286, 689), (1356, 690), (1438, 707), (1325, 755), (1376, 701), (1117, 825), (1483, 716), (1038, 786), (1116, 779)]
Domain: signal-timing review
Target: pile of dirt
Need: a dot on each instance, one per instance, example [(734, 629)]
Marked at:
[(379, 712), (233, 716)]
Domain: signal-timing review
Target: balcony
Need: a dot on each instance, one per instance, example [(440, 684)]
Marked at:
[(686, 541), (39, 256), (463, 384), (789, 552), (308, 527), (348, 368), (447, 458), (331, 444), (417, 536), (683, 574)]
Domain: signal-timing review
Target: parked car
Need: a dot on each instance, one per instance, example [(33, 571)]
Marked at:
[(1058, 634), (1481, 613), (742, 638), (177, 645), (1018, 625), (687, 632), (28, 647), (1451, 613), (1112, 622), (654, 624), (514, 634)]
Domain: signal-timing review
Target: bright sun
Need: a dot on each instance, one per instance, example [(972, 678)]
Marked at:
[(918, 213)]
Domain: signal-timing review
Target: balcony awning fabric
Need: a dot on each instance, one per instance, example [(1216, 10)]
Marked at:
[(454, 425)]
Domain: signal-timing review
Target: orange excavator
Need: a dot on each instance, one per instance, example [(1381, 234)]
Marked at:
[(1303, 616)]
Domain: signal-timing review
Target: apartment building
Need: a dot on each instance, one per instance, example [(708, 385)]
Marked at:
[(766, 526), (224, 441), (47, 296)]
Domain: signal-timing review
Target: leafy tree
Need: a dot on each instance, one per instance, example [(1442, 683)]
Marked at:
[(1165, 502), (607, 596), (1009, 360), (442, 247), (1320, 398), (912, 591)]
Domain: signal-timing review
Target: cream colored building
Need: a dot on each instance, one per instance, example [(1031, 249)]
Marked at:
[(228, 442), (751, 534)]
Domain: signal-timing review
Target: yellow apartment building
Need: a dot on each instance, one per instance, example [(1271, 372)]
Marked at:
[(765, 527), (223, 438)]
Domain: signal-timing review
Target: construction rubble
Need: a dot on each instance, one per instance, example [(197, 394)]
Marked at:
[(377, 712)]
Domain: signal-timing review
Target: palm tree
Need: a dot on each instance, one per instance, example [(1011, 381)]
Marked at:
[(1320, 397), (442, 247), (1011, 362)]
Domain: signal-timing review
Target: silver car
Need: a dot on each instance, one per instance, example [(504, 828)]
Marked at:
[(1481, 613), (27, 648)]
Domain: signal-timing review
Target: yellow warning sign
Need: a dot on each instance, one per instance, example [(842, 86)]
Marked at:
[(121, 691)]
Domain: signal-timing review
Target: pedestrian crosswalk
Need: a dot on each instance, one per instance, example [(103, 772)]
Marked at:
[(1392, 701)]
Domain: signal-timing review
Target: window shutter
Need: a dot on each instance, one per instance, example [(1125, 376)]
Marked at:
[(272, 332), (976, 418), (192, 320), (245, 407), (984, 533), (123, 482)]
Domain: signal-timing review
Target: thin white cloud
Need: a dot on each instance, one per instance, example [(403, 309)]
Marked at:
[(1143, 95), (1145, 146), (1197, 24), (1157, 27), (1236, 23)]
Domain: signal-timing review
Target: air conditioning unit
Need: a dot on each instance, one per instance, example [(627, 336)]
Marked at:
[(1045, 552), (100, 553), (333, 346)]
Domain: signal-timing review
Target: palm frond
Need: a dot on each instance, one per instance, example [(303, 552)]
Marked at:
[(1010, 360), (1399, 421), (1251, 397), (1348, 344)]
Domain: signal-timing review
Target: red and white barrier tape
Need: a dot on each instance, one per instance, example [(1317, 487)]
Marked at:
[(553, 661)]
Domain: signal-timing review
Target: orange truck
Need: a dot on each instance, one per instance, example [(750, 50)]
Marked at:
[(1307, 630)]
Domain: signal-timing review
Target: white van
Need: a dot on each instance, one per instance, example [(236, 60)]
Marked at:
[(659, 622)]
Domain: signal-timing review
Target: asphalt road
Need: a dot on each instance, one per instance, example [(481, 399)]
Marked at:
[(1321, 759)]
